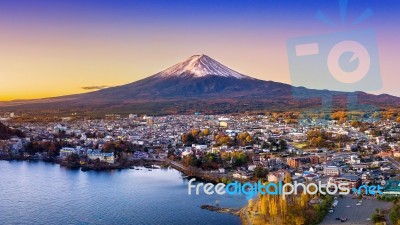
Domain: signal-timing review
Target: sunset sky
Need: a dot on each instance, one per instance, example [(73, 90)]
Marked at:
[(52, 48)]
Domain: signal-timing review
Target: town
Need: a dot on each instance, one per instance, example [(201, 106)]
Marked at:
[(221, 148)]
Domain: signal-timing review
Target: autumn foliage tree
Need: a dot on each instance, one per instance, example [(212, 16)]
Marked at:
[(294, 209), (339, 116), (195, 136), (223, 139), (244, 138)]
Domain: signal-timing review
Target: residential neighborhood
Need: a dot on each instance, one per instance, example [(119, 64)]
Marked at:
[(221, 148)]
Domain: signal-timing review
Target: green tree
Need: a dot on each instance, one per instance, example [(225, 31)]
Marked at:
[(394, 214), (239, 158)]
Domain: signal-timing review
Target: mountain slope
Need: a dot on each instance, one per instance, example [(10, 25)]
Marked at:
[(199, 83), (200, 66)]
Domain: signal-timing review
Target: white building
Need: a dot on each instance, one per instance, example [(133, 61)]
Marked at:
[(65, 152), (332, 171), (102, 156)]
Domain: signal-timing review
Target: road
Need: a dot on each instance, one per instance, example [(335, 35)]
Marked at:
[(393, 161), (180, 166)]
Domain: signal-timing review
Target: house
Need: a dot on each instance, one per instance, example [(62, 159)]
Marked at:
[(300, 161), (332, 171), (140, 155), (310, 176), (199, 147), (251, 167), (396, 154), (65, 152), (380, 140), (276, 176), (354, 159), (385, 168), (353, 180), (15, 145), (102, 156), (241, 175)]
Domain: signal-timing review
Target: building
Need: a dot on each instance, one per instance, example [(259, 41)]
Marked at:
[(301, 161), (199, 147), (102, 156), (65, 152), (322, 157), (241, 175), (16, 145), (140, 155), (353, 180), (332, 171), (354, 159), (223, 124), (276, 176)]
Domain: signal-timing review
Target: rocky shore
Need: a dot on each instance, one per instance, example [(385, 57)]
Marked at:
[(235, 212), (147, 163)]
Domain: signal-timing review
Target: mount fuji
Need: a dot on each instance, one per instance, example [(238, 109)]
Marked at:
[(200, 66), (199, 83)]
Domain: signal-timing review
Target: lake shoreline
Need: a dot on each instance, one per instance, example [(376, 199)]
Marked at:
[(147, 163), (43, 190)]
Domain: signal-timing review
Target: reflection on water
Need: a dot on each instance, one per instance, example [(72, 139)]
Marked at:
[(44, 193)]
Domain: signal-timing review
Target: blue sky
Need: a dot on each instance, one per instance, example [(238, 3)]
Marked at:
[(106, 42)]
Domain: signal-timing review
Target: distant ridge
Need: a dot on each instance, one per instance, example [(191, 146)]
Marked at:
[(198, 83)]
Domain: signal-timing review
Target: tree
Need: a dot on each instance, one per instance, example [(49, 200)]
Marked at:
[(249, 139), (263, 205), (260, 172), (305, 198), (210, 161), (340, 116), (265, 145), (288, 178), (394, 215), (222, 139), (187, 138), (299, 220), (7, 132), (239, 158), (194, 161), (282, 145), (273, 209), (377, 216), (195, 132), (73, 160), (284, 207), (244, 138), (205, 132), (250, 203)]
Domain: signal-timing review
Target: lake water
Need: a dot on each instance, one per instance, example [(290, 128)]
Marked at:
[(44, 193)]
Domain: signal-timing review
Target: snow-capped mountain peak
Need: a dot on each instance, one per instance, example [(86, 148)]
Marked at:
[(200, 66)]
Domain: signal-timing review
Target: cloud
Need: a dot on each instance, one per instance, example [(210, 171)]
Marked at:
[(95, 87)]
